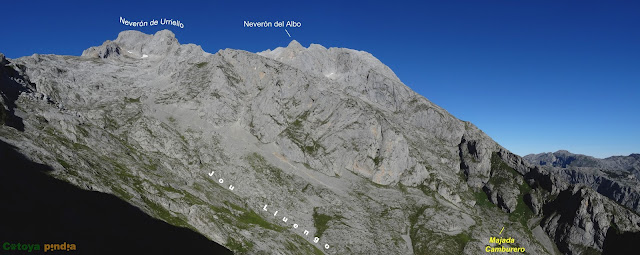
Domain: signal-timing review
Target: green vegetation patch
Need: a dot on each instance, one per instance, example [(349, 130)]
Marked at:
[(246, 218), (303, 140), (82, 131), (522, 213), (388, 210), (402, 188), (110, 123), (238, 246), (231, 76), (413, 218), (164, 214), (426, 190), (261, 166), (153, 166), (201, 64), (377, 160), (302, 247), (252, 218), (120, 192), (321, 221), (63, 163), (191, 199), (462, 239), (132, 100), (482, 200), (428, 242), (504, 175)]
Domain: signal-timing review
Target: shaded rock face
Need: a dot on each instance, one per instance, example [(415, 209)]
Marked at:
[(329, 138), (12, 83), (579, 220)]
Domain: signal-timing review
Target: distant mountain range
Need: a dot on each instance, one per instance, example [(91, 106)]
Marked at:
[(616, 177), (565, 159)]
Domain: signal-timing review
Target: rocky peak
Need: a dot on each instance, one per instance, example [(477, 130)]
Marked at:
[(295, 45), (139, 42), (332, 63), (563, 153), (137, 45), (130, 37), (357, 72), (108, 49), (3, 60)]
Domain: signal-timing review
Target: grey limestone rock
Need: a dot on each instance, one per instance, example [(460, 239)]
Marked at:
[(329, 138)]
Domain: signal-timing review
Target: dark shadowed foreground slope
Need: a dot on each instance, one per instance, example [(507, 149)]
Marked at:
[(39, 209)]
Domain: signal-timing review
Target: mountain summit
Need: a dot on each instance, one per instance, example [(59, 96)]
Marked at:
[(293, 150), (135, 44), (295, 45)]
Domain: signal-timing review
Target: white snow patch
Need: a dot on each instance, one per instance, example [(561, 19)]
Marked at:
[(144, 56)]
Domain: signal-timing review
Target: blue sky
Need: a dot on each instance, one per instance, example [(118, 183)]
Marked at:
[(537, 76)]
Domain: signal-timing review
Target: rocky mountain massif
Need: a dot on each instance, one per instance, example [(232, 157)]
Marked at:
[(329, 138)]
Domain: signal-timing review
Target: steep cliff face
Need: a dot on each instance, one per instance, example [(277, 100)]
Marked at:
[(329, 138)]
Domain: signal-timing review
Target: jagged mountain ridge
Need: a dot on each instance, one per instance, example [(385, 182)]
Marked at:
[(565, 159), (312, 131), (615, 177)]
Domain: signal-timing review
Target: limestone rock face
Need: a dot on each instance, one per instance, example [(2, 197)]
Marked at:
[(108, 50), (329, 138)]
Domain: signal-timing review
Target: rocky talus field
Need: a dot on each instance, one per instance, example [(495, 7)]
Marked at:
[(329, 138)]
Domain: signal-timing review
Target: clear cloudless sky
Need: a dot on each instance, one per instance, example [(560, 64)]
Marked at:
[(537, 76)]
